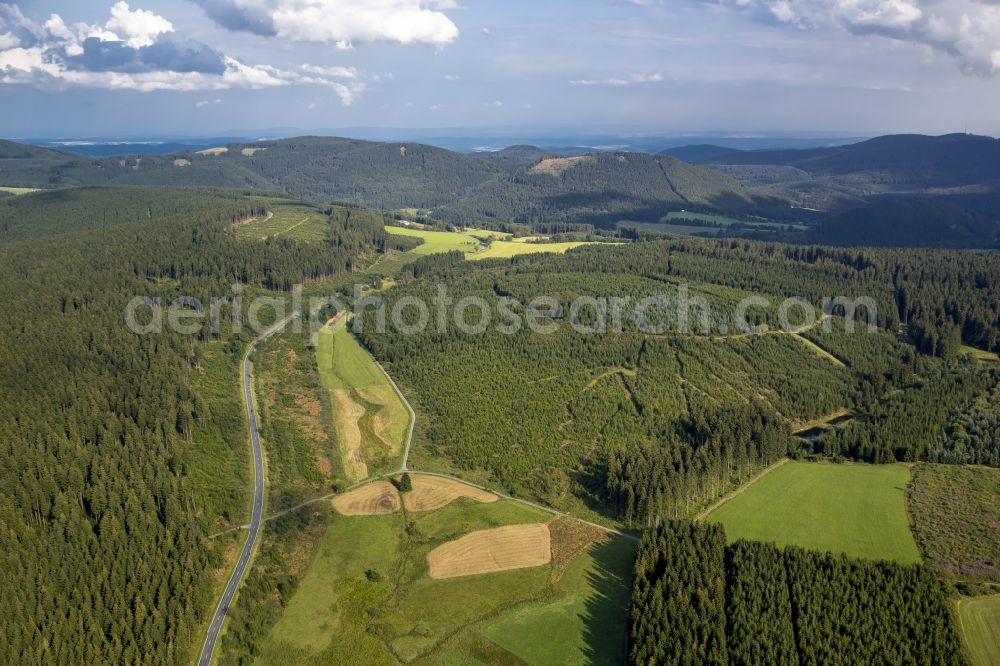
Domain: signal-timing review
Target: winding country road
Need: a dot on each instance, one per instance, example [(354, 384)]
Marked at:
[(256, 513)]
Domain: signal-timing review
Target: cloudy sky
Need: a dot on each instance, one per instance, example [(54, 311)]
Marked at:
[(193, 67)]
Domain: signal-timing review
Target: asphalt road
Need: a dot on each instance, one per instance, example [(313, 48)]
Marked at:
[(256, 513)]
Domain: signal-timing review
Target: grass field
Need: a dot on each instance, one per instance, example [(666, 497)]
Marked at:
[(436, 242), (366, 597), (299, 222), (980, 354), (980, 623), (486, 234), (853, 509), (18, 190), (550, 632), (370, 419), (499, 249)]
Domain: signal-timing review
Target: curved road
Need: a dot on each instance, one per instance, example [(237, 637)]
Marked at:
[(257, 512)]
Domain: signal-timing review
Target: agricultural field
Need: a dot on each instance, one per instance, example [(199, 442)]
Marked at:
[(486, 234), (956, 519), (852, 508), (16, 191), (301, 222), (436, 242), (370, 420), (368, 596), (500, 249), (979, 620)]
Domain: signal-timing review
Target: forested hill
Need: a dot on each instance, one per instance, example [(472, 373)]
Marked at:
[(52, 212), (911, 160), (904, 190), (518, 184)]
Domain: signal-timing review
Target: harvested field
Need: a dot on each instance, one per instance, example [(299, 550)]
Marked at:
[(375, 499), (249, 152), (213, 151), (555, 166), (489, 551), (430, 493), (347, 414)]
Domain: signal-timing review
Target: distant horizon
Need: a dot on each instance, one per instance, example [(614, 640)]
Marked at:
[(558, 140), (489, 131)]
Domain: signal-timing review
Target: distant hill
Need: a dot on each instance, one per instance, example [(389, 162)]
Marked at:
[(517, 155), (958, 221), (602, 189), (904, 160), (902, 190), (896, 190), (512, 185)]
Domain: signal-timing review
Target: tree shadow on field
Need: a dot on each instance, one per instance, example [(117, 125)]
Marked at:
[(605, 617)]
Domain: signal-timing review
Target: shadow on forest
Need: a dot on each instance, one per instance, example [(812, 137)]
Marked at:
[(605, 617)]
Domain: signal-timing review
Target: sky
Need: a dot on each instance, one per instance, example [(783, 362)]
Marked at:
[(202, 67)]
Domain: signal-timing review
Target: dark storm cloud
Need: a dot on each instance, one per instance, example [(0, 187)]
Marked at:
[(167, 54), (256, 20)]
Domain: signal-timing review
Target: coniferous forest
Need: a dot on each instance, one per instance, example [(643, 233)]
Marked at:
[(697, 601), (681, 415), (102, 521)]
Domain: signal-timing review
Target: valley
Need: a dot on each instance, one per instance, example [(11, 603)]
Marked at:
[(497, 496), (438, 333)]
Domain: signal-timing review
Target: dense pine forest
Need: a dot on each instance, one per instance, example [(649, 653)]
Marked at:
[(651, 426), (697, 601), (102, 521)]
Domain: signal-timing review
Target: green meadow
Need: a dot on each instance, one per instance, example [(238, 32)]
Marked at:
[(436, 242), (500, 249), (18, 190), (855, 509), (980, 622), (365, 597), (369, 418)]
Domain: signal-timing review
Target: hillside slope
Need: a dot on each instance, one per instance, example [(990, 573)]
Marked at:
[(517, 184), (904, 160), (602, 189), (902, 190)]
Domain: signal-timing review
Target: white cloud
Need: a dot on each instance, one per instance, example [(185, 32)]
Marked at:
[(137, 28), (207, 102), (334, 71), (967, 30), (637, 78), (339, 22), (55, 56), (656, 77), (599, 82)]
